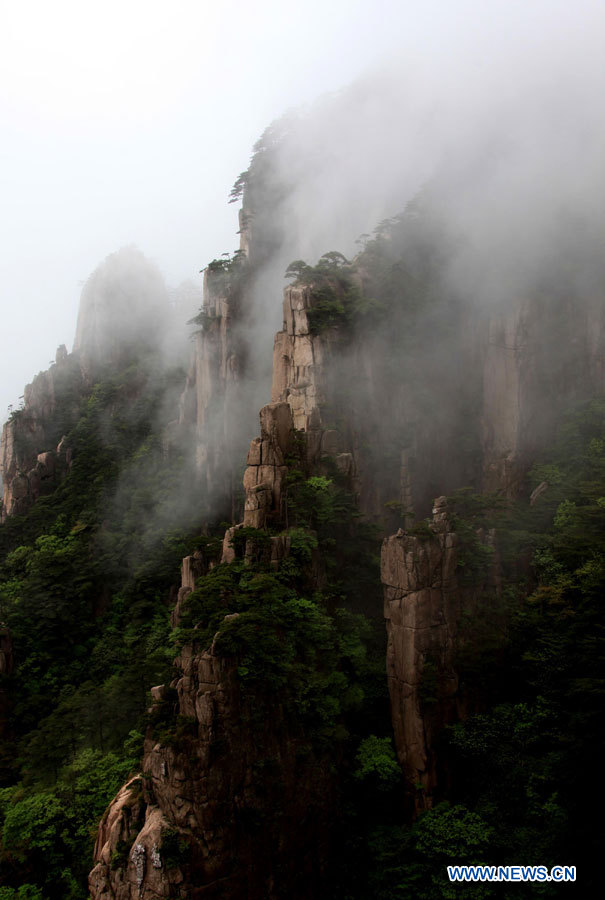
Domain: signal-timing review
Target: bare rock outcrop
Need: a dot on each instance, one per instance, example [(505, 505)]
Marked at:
[(541, 358), (236, 803), (302, 370), (192, 568), (264, 478), (423, 604), (33, 455), (210, 404), (298, 356), (226, 809)]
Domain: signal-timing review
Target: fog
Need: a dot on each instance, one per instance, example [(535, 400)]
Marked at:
[(509, 137), (128, 123), (501, 124)]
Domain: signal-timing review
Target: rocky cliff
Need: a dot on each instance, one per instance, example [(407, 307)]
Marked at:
[(396, 394), (123, 313), (424, 603), (331, 401), (241, 795), (541, 357), (233, 809), (211, 405), (33, 454), (237, 803), (420, 366), (202, 794)]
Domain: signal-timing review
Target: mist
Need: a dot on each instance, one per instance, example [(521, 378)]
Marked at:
[(499, 130), (431, 178), (128, 124), (129, 127), (506, 134), (496, 119)]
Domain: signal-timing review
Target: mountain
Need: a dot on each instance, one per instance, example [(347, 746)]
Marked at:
[(431, 454)]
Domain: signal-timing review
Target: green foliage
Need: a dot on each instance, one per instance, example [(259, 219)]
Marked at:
[(225, 277), (237, 191), (452, 832), (174, 849), (522, 763), (411, 862), (48, 834), (421, 530), (218, 265), (348, 547), (302, 544), (545, 472), (472, 515), (530, 662), (330, 264), (291, 640), (25, 892), (285, 643), (84, 587), (260, 540), (565, 516), (318, 501), (204, 318), (300, 271), (119, 856), (326, 312), (228, 264), (376, 762), (33, 824), (336, 297)]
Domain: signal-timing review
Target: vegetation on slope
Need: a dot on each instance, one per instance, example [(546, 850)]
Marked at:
[(519, 767), (85, 583)]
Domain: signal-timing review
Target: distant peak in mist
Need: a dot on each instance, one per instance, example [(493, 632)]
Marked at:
[(122, 304)]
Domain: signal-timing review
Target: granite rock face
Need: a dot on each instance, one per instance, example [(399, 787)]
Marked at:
[(297, 360), (305, 365), (192, 568), (210, 406), (264, 478), (232, 808), (33, 454), (228, 810), (240, 793), (423, 604), (540, 358)]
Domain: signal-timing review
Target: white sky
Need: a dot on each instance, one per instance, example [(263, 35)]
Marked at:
[(127, 121)]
